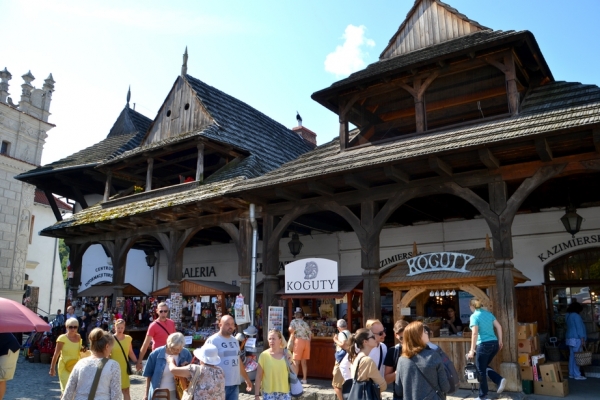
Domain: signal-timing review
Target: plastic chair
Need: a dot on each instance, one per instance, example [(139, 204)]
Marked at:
[(161, 394)]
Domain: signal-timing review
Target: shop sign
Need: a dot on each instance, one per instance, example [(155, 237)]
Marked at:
[(580, 241), (199, 272), (438, 262), (311, 275), (103, 274)]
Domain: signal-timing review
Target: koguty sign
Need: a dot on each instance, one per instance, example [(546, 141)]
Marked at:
[(311, 275), (435, 262)]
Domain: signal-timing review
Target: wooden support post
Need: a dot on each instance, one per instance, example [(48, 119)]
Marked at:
[(107, 186), (419, 109), (76, 252), (343, 132), (53, 205), (200, 163), (245, 256), (511, 84), (149, 174), (270, 259), (369, 259), (397, 312)]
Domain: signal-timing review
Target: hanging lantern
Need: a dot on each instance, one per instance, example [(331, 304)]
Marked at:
[(295, 245), (453, 293), (447, 293), (437, 293), (150, 259), (431, 294), (572, 221)]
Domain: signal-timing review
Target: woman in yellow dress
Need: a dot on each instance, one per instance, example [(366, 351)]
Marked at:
[(120, 349), (68, 347)]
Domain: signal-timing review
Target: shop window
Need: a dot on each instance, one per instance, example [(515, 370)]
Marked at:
[(5, 148), (574, 277)]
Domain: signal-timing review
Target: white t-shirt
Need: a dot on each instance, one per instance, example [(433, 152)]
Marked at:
[(342, 337), (167, 381), (229, 351), (377, 354), (346, 368)]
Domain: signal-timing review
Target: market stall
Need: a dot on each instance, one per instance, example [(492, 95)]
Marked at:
[(199, 306), (321, 312), (425, 286)]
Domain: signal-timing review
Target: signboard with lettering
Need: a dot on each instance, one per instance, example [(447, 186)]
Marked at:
[(311, 275), (569, 245), (438, 262), (199, 272)]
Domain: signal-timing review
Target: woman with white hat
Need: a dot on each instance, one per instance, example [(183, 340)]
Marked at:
[(207, 380)]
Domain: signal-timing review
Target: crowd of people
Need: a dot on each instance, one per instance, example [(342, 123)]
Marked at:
[(415, 368)]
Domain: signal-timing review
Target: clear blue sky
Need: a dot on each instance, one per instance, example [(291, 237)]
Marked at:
[(270, 54)]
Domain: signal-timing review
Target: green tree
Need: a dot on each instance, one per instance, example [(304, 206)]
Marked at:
[(63, 253)]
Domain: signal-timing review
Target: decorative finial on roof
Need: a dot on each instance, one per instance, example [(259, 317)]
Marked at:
[(128, 95), (28, 77), (415, 252), (298, 118), (184, 66), (487, 242)]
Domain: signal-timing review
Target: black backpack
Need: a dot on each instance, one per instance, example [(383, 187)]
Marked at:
[(451, 372), (471, 373)]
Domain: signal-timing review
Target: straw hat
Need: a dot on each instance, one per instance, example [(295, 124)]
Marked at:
[(208, 354)]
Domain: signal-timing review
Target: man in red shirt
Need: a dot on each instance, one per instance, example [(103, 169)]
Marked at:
[(158, 332)]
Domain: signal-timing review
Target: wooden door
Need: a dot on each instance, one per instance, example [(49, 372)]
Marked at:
[(531, 306)]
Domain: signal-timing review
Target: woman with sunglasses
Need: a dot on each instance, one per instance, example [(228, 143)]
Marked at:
[(68, 347), (361, 344)]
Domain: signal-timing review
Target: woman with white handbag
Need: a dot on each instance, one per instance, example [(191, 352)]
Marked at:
[(272, 374)]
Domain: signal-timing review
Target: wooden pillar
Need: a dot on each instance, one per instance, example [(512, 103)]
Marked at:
[(419, 109), (200, 163), (343, 132), (107, 186), (149, 174), (53, 205), (76, 253), (511, 84), (369, 259), (270, 261), (245, 257)]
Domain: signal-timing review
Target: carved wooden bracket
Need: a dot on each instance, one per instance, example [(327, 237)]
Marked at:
[(479, 294)]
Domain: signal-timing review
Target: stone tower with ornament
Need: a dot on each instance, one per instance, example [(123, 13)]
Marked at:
[(23, 132)]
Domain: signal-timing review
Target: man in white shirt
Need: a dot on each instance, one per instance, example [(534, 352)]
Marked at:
[(379, 352)]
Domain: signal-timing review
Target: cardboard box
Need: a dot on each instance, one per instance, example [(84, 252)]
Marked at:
[(526, 373), (551, 372), (533, 327), (524, 359), (558, 389), (536, 343), (523, 330), (526, 345), (538, 359)]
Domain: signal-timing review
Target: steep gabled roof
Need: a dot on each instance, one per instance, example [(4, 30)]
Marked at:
[(236, 123), (429, 22), (126, 134)]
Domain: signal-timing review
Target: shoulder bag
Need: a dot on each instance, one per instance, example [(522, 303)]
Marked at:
[(439, 394), (129, 371), (97, 379), (296, 388), (362, 390), (188, 392)]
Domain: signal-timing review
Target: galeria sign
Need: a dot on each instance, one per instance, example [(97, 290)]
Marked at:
[(436, 262), (311, 275)]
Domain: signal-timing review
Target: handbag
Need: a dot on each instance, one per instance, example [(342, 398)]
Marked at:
[(296, 388), (188, 392), (128, 366), (361, 390), (94, 387), (290, 343), (583, 358), (340, 354)]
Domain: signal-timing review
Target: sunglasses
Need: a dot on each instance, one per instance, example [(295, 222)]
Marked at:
[(163, 311), (371, 337), (73, 327), (380, 333)]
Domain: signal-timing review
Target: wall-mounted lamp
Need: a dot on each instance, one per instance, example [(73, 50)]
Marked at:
[(295, 245), (572, 221), (150, 259)]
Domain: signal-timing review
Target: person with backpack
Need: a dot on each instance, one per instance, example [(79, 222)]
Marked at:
[(340, 341), (451, 372), (420, 373), (393, 354)]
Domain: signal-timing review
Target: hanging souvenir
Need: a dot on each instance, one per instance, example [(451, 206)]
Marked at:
[(239, 302)]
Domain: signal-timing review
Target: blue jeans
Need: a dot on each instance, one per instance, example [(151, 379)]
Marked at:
[(573, 367), (483, 357), (232, 392)]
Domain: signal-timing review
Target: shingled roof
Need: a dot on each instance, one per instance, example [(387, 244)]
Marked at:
[(555, 106), (471, 42), (269, 143), (126, 134)]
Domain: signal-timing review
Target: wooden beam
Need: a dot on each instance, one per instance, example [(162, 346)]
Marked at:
[(122, 223), (488, 159), (287, 194), (106, 226), (167, 163), (163, 216), (53, 205), (343, 133), (439, 166), (200, 163), (80, 198), (107, 186), (150, 162), (543, 149), (320, 188), (396, 174), (137, 221), (356, 182)]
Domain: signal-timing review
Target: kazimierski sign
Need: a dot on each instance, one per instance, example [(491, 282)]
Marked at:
[(438, 262), (311, 275)]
